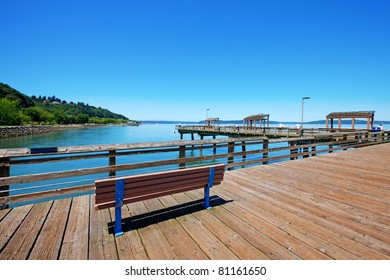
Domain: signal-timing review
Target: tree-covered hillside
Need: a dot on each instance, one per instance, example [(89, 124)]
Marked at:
[(17, 108)]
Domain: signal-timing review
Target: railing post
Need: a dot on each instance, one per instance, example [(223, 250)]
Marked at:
[(112, 162), (313, 148), (230, 156), (182, 154), (243, 148), (331, 145), (4, 190), (265, 150), (345, 137), (306, 150), (292, 150)]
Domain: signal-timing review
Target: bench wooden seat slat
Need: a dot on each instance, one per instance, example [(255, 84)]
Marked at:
[(115, 192)]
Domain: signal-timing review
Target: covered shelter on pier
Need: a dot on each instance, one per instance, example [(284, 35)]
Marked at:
[(211, 122), (368, 115), (262, 119)]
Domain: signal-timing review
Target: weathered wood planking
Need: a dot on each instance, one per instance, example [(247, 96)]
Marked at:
[(23, 240), (129, 247), (328, 207), (49, 241), (251, 225), (101, 243), (207, 241), (153, 238), (281, 219), (11, 222), (75, 243), (336, 232), (241, 245), (184, 247)]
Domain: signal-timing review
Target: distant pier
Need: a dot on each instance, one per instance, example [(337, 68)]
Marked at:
[(237, 131)]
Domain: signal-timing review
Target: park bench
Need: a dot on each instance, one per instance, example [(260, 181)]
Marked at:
[(115, 192)]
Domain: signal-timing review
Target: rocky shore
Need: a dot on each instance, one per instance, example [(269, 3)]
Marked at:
[(16, 131)]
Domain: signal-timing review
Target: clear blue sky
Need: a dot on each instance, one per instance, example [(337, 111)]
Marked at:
[(172, 60)]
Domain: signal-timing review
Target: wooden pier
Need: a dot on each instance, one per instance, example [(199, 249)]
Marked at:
[(245, 131), (333, 206)]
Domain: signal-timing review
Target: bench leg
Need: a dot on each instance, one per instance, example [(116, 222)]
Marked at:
[(118, 222), (119, 194), (206, 203)]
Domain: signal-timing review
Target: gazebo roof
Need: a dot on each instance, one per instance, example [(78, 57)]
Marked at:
[(259, 116), (352, 114)]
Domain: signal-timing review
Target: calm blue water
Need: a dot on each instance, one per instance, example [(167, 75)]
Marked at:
[(91, 136)]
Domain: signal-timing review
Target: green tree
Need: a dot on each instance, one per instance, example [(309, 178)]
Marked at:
[(35, 113), (60, 117), (10, 113), (82, 118)]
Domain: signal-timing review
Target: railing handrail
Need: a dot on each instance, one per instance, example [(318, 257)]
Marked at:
[(28, 152)]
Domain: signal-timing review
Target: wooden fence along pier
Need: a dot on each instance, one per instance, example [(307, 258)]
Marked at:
[(326, 205), (242, 131)]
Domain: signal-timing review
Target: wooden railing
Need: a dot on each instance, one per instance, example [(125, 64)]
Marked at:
[(30, 175), (259, 131)]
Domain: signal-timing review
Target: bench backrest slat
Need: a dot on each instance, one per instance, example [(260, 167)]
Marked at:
[(146, 186), (141, 189)]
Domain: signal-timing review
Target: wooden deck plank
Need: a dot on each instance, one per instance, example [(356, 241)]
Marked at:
[(23, 240), (255, 230), (324, 199), (48, 244), (129, 245), (10, 223), (75, 243), (185, 247), (285, 239), (101, 243), (153, 238), (285, 221), (332, 195), (211, 245), (230, 237), (268, 248), (302, 209), (317, 190), (4, 213), (336, 231), (354, 174)]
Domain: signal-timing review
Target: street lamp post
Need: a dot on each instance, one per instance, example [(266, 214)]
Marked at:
[(303, 99), (207, 111)]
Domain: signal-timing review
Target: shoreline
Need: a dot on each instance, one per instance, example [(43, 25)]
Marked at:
[(18, 131)]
